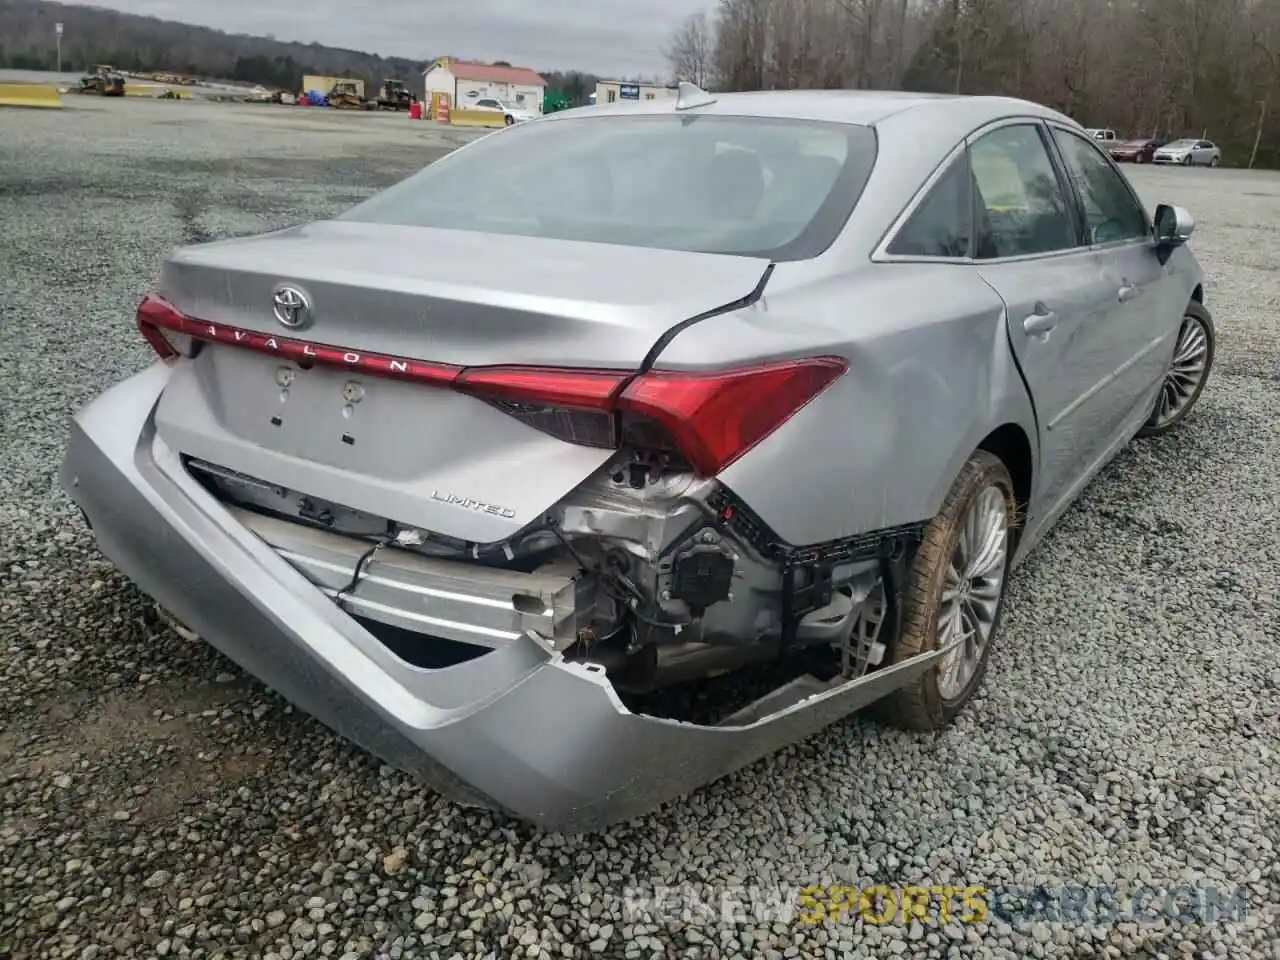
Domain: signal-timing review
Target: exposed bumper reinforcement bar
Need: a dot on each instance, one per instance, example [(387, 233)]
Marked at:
[(476, 605), (519, 729)]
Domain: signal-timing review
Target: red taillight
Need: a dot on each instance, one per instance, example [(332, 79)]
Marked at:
[(574, 405), (714, 418), (580, 389)]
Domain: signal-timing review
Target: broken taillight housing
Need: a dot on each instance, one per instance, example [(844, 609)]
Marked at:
[(709, 418), (573, 405), (161, 326)]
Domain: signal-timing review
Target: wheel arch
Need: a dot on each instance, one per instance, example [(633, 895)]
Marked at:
[(1011, 444), (1198, 294)]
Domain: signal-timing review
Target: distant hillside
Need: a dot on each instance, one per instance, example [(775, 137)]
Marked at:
[(131, 42)]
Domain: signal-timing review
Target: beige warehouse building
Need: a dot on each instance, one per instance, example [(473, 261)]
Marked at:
[(619, 91)]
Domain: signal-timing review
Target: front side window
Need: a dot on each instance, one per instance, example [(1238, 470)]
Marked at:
[(737, 185), (1020, 203), (939, 226), (1110, 211)]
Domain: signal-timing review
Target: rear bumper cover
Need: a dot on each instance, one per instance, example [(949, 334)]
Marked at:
[(519, 730)]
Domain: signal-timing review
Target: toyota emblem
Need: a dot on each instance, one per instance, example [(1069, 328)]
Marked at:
[(291, 306)]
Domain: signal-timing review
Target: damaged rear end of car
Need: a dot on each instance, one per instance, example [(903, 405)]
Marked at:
[(455, 508)]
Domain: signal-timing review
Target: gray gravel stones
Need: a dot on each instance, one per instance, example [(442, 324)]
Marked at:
[(154, 801)]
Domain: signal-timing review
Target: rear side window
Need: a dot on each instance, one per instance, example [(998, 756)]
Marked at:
[(939, 226), (751, 186), (1020, 203)]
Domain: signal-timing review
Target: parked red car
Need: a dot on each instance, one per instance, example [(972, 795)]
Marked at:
[(1135, 151)]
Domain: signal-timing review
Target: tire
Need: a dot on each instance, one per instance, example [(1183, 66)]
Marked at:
[(1188, 161), (926, 704), (1197, 317), (1214, 161), (510, 120)]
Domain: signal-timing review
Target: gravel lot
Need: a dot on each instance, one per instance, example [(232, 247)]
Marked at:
[(154, 801)]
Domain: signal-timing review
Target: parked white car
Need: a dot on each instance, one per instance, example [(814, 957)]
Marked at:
[(1189, 153), (512, 114), (1105, 135)]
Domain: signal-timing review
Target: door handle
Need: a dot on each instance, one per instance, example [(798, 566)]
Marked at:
[(1040, 323), (1128, 292)]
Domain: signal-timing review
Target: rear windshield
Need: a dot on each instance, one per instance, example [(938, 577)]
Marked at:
[(755, 187)]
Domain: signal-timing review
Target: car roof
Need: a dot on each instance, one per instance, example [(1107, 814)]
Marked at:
[(862, 107)]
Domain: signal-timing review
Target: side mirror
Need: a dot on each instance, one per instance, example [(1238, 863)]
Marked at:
[(1173, 226)]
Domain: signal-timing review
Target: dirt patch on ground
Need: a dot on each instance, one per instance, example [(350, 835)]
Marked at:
[(146, 752)]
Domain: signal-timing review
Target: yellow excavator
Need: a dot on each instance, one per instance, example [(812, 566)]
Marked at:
[(104, 80), (345, 95)]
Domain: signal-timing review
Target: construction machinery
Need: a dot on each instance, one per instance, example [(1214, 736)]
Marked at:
[(345, 95), (323, 84), (104, 80), (394, 95)]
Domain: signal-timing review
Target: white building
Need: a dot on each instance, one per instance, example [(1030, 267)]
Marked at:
[(614, 91), (465, 82)]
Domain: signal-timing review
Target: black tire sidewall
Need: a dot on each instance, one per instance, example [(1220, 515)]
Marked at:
[(950, 708), (920, 705)]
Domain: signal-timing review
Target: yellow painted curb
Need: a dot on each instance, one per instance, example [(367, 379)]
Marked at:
[(29, 95)]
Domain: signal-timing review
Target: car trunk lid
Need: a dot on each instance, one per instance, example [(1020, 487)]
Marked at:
[(425, 455), (459, 297)]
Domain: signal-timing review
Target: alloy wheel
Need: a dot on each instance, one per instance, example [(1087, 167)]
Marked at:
[(1186, 371), (971, 590)]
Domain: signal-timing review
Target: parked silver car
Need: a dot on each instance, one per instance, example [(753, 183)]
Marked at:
[(1200, 153), (779, 379)]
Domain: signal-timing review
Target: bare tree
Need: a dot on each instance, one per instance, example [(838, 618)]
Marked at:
[(690, 50), (1164, 68)]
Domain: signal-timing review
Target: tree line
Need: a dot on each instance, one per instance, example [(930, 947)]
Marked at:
[(1158, 68)]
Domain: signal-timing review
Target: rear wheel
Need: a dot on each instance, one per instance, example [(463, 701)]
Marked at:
[(1187, 373), (954, 595), (1214, 161), (510, 120)]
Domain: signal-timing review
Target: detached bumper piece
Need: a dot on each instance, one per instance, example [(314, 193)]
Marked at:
[(516, 728)]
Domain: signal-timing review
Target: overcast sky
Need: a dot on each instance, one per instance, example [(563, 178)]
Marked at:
[(607, 37)]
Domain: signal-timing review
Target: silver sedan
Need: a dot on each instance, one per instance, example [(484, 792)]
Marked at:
[(487, 471), (1189, 153)]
